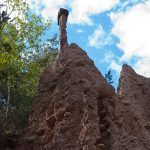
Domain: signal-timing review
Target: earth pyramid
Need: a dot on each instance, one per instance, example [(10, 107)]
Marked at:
[(76, 109)]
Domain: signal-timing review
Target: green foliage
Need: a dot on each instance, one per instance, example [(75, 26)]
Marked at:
[(108, 77), (22, 59)]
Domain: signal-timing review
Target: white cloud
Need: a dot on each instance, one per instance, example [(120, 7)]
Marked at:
[(79, 30), (125, 5), (108, 56), (143, 67), (116, 67), (47, 8), (100, 38), (133, 29), (112, 60), (81, 10)]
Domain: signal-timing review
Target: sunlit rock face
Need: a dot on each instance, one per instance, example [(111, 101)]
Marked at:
[(76, 109)]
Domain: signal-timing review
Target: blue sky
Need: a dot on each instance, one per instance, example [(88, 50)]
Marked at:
[(112, 32)]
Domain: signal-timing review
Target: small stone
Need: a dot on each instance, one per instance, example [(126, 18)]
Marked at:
[(67, 114), (85, 147), (40, 131), (29, 139), (147, 126), (102, 146), (49, 112), (102, 127), (80, 63), (50, 121), (126, 102), (57, 106), (60, 114)]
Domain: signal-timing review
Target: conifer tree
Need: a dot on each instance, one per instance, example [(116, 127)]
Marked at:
[(108, 77)]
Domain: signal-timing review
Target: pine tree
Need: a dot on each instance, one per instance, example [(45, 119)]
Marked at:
[(108, 77)]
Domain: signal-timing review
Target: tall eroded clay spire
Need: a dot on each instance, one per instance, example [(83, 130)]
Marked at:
[(62, 21)]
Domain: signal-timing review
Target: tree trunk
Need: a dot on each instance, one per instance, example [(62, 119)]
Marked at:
[(8, 100)]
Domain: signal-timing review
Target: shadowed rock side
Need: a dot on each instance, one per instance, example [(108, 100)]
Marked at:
[(66, 113), (132, 112)]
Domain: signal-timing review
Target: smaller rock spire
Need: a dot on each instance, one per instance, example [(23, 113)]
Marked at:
[(62, 21)]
